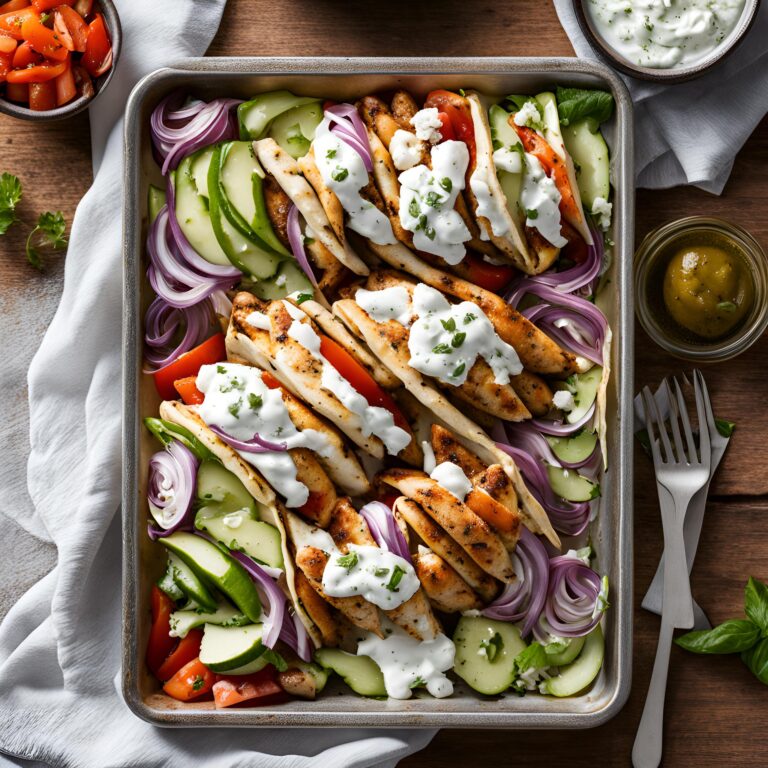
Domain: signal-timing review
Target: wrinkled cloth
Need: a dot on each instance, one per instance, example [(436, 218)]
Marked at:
[(690, 133), (60, 644)]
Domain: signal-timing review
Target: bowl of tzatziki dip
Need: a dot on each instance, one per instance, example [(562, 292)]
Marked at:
[(665, 40)]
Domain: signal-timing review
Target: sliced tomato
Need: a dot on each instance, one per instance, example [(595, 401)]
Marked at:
[(446, 130), (260, 688), (456, 107), (360, 379), (84, 7), (42, 96), (38, 73), (212, 350), (46, 5), (11, 23), (13, 5), (97, 58), (187, 650), (45, 41), (70, 22), (160, 644), (270, 380), (492, 277), (536, 145), (187, 388), (18, 92), (192, 681), (25, 56), (6, 63), (65, 86), (8, 44)]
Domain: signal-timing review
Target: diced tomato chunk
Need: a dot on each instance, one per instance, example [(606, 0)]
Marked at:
[(45, 41), (187, 650), (42, 96), (192, 681), (97, 58), (259, 689), (212, 350), (69, 21), (188, 390)]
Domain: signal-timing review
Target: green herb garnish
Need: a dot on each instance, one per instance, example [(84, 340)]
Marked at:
[(532, 213), (446, 184), (458, 370), (433, 199), (254, 401), (449, 324), (198, 683), (492, 646), (397, 577), (339, 174), (348, 561), (458, 339), (442, 349)]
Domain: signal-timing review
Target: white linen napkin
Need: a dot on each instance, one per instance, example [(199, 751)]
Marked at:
[(690, 133), (60, 644)]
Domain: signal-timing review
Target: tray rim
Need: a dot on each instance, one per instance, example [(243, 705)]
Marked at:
[(132, 657)]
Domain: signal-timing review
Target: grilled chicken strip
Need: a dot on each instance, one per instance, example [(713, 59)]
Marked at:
[(446, 590), (318, 610)]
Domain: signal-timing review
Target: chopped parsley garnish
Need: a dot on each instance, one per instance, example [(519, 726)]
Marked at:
[(198, 683), (330, 154), (234, 408), (413, 208), (234, 383), (433, 200), (446, 184), (418, 683), (461, 92), (348, 561), (532, 213), (492, 646), (380, 571), (458, 370), (469, 317), (339, 174), (449, 324), (254, 401), (442, 349), (302, 297), (458, 339), (429, 232), (397, 577), (220, 369)]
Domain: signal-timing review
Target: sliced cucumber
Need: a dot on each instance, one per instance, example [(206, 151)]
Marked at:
[(559, 658), (240, 531), (169, 585), (587, 147), (485, 653), (360, 673), (570, 485), (155, 201), (552, 132), (252, 666), (572, 450), (225, 648), (289, 278), (217, 484), (198, 169), (219, 568), (190, 584), (193, 217), (256, 115), (584, 388), (295, 128), (505, 135), (248, 255), (579, 674), (224, 616), (318, 673)]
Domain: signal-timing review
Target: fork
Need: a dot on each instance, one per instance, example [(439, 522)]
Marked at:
[(694, 517), (682, 472)]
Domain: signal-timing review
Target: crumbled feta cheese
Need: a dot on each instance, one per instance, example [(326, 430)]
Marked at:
[(280, 280), (427, 125), (563, 399), (528, 116), (405, 149), (602, 209), (507, 160)]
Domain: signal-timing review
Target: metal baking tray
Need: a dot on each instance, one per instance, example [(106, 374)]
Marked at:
[(343, 79)]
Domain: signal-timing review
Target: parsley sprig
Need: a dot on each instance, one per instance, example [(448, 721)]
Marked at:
[(47, 234)]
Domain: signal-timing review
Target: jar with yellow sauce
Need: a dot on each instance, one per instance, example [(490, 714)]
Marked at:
[(701, 288)]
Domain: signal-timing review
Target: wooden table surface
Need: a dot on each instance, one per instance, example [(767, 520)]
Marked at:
[(716, 711)]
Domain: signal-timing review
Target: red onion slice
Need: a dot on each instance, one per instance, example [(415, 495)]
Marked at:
[(162, 323), (171, 489), (296, 240), (349, 127), (384, 528), (573, 608), (561, 428), (524, 599), (256, 444)]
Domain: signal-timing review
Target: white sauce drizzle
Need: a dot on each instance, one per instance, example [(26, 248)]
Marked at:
[(378, 576), (451, 477), (259, 320), (238, 401), (528, 116), (427, 125), (344, 172), (427, 199), (488, 206), (405, 662), (405, 149), (540, 195), (430, 462), (387, 304), (506, 160)]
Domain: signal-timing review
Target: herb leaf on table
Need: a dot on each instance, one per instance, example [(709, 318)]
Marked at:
[(756, 603)]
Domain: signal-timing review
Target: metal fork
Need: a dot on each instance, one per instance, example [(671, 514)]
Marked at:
[(682, 471), (694, 518)]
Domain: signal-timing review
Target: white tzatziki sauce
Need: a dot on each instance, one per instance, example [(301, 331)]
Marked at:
[(665, 34), (446, 340), (540, 200), (507, 160), (387, 304), (488, 206), (451, 476), (602, 209), (405, 149), (240, 403), (407, 663), (380, 577), (344, 172), (427, 199), (374, 420)]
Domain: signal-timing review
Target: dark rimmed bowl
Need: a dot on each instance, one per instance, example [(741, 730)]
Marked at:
[(100, 84), (678, 75)]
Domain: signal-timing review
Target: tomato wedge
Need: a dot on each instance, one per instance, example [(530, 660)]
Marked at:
[(65, 86), (38, 73), (70, 22), (25, 56), (42, 96), (187, 650), (360, 379), (46, 5), (260, 688), (160, 643), (537, 145), (446, 130), (187, 388), (492, 277), (97, 58), (18, 92), (212, 350), (456, 107), (11, 23), (45, 41), (192, 681), (6, 62), (8, 44), (13, 5)]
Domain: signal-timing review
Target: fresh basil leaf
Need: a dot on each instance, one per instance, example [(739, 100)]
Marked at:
[(756, 603), (725, 427), (578, 103), (730, 637), (756, 659)]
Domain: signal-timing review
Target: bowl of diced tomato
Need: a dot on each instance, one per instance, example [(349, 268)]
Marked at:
[(56, 56)]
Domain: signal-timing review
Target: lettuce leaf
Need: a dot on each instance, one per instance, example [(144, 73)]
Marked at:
[(578, 103)]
